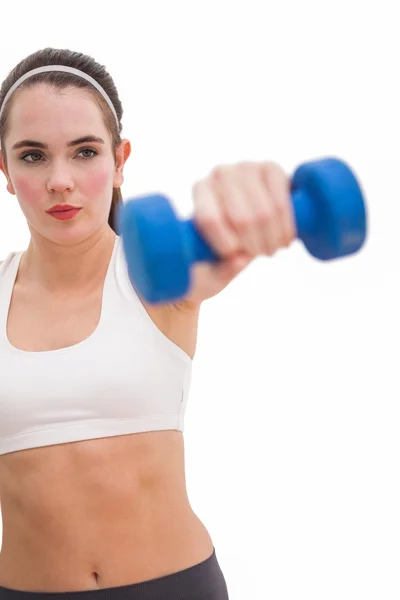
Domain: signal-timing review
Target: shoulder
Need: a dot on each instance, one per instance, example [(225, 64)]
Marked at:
[(178, 322), (177, 311)]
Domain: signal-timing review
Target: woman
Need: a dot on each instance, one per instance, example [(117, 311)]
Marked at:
[(95, 382)]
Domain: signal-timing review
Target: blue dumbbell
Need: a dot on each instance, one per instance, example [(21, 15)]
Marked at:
[(330, 219)]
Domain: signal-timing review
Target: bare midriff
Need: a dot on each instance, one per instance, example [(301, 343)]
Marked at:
[(98, 513)]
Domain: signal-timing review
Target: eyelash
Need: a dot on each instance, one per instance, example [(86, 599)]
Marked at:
[(40, 154)]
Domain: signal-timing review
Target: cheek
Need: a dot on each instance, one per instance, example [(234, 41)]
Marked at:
[(96, 183), (27, 189)]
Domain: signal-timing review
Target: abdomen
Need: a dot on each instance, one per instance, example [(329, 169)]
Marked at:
[(97, 514)]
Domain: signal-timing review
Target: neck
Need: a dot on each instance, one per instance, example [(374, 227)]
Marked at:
[(80, 267)]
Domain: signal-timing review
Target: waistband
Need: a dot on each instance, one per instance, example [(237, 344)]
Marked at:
[(195, 583)]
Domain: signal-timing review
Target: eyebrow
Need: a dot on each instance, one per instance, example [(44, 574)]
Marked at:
[(34, 144)]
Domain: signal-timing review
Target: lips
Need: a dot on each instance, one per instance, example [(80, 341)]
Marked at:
[(64, 208), (64, 215)]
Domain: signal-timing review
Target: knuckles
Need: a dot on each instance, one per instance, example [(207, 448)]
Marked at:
[(263, 177), (242, 224), (265, 217)]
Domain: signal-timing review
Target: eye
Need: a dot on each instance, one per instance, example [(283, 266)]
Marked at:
[(24, 156), (30, 154), (88, 150)]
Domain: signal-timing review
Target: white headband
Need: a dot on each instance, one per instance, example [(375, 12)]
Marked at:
[(67, 70)]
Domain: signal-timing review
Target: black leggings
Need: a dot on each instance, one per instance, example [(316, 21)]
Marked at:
[(204, 581)]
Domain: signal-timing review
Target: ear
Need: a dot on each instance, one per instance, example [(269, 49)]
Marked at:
[(10, 187), (121, 156)]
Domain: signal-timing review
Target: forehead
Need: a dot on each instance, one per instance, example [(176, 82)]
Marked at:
[(42, 111)]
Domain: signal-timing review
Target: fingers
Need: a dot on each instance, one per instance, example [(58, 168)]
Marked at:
[(244, 204), (278, 184), (210, 220), (245, 207)]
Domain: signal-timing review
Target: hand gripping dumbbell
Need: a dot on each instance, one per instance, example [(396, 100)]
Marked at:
[(160, 248)]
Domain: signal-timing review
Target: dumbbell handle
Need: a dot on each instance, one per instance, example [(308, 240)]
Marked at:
[(198, 249)]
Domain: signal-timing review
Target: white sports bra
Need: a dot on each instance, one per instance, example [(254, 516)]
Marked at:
[(127, 377)]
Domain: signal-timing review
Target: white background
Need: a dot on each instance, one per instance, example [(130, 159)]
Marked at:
[(292, 427)]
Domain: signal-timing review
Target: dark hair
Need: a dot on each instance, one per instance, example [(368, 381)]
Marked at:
[(61, 80)]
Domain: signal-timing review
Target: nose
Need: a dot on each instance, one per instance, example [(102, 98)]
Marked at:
[(60, 178)]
